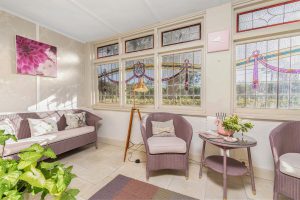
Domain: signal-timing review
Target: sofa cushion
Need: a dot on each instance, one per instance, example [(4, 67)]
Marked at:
[(15, 147), (66, 134), (42, 126), (290, 164), (75, 120), (159, 145)]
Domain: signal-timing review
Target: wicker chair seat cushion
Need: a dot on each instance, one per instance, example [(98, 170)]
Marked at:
[(158, 145), (290, 164)]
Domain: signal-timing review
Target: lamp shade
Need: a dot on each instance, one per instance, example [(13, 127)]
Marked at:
[(140, 86)]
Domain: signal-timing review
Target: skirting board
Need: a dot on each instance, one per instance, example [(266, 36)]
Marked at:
[(258, 172)]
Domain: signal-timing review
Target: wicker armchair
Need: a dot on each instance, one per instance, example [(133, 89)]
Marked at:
[(183, 130), (285, 139)]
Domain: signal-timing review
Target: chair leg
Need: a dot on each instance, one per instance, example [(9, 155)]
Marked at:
[(187, 168), (147, 175), (96, 145), (147, 172), (187, 174), (275, 190), (275, 196)]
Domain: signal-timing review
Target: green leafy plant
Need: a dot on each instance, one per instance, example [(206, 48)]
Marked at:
[(235, 124), (28, 175), (4, 137)]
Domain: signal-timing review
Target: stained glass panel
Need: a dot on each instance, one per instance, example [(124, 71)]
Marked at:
[(108, 83), (134, 71), (185, 34), (181, 79), (269, 16), (109, 50), (139, 44), (268, 74)]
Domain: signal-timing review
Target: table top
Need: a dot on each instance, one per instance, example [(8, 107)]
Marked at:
[(218, 140)]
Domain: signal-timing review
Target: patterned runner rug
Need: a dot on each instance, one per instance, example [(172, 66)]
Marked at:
[(125, 188)]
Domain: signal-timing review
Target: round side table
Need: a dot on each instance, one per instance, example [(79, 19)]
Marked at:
[(226, 165)]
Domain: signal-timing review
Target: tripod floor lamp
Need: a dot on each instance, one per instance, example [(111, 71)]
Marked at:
[(139, 87)]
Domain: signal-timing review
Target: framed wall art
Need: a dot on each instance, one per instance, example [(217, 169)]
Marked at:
[(181, 35), (139, 44), (108, 50), (35, 58), (218, 41)]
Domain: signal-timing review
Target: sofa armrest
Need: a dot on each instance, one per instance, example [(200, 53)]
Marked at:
[(92, 119), (144, 134)]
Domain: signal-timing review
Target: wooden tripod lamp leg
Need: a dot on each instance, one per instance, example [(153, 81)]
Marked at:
[(129, 133)]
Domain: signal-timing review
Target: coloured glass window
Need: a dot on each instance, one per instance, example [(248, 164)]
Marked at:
[(277, 14), (181, 79), (108, 83), (181, 35), (268, 74), (107, 51), (134, 71)]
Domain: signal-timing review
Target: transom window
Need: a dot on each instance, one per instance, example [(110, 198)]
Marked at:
[(268, 74), (108, 83), (277, 14), (181, 79)]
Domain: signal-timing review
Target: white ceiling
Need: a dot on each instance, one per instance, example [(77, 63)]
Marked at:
[(90, 20)]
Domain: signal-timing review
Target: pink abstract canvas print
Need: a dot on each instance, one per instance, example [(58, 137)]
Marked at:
[(218, 41), (35, 58)]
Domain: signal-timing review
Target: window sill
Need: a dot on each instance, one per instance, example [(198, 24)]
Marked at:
[(251, 114), (268, 114), (149, 109)]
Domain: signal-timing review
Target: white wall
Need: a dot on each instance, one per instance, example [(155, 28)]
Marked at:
[(24, 92), (115, 124), (218, 70)]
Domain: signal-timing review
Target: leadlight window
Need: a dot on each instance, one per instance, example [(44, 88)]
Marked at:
[(135, 70), (108, 50), (181, 79), (139, 44), (108, 83), (268, 74), (181, 35), (277, 14)]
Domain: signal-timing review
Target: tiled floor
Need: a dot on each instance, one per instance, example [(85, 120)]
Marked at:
[(96, 167)]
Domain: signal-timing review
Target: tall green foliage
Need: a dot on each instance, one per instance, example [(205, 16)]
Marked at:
[(28, 175)]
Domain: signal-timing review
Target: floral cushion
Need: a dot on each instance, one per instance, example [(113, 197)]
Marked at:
[(75, 120), (42, 126)]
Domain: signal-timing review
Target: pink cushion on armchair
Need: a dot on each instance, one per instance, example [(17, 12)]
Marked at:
[(159, 145)]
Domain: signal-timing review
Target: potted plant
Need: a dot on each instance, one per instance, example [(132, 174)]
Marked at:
[(29, 175), (234, 124)]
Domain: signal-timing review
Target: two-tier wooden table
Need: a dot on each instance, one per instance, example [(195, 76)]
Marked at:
[(224, 164)]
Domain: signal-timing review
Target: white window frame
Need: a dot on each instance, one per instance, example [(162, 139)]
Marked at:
[(202, 93), (275, 32), (156, 53)]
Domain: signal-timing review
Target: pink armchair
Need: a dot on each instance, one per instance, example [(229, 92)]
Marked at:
[(178, 156), (285, 145)]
